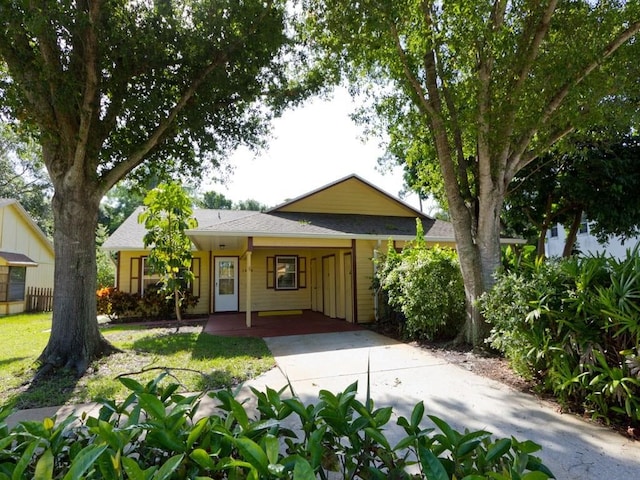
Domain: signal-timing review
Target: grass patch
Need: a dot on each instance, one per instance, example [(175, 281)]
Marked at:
[(197, 361)]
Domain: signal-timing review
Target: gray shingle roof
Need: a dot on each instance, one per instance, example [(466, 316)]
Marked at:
[(129, 235), (321, 224)]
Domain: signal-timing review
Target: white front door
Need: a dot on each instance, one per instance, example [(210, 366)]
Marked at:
[(225, 296)]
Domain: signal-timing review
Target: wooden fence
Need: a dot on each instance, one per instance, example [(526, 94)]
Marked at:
[(39, 299)]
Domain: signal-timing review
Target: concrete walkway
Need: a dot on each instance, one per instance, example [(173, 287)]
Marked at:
[(402, 375)]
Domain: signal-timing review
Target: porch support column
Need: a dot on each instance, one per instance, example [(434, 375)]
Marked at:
[(248, 287)]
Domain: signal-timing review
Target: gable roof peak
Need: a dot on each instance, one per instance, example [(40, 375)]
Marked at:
[(358, 178)]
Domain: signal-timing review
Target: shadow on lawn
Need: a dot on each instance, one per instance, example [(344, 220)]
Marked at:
[(55, 388), (202, 345)]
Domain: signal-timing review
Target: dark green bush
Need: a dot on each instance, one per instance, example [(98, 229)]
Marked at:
[(425, 285), (153, 305), (157, 434), (574, 325)]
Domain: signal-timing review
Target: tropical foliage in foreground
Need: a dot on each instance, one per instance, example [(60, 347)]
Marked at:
[(157, 434), (574, 326)]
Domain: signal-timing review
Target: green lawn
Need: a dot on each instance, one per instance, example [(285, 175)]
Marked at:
[(197, 362)]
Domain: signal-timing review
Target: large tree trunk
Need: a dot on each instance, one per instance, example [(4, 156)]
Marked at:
[(479, 260), (75, 339)]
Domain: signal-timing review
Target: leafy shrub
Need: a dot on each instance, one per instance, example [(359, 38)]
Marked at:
[(122, 306), (157, 434), (575, 326), (425, 285)]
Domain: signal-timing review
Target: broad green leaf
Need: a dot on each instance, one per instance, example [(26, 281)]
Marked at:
[(535, 476), (431, 465), (44, 467), (378, 436), (272, 448), (152, 405), (417, 415), (498, 449), (202, 458), (302, 470), (84, 461), (24, 461), (195, 432), (451, 434), (167, 469), (132, 469), (253, 454), (131, 384)]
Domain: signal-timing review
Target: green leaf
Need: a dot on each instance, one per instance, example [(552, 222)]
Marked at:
[(252, 453), (534, 476), (202, 458), (378, 436), (431, 466), (302, 470), (498, 449), (131, 384), (417, 415), (535, 465), (25, 459), (196, 431), (44, 467), (451, 434), (527, 446), (272, 448), (152, 405), (84, 461), (298, 407), (167, 469), (132, 469)]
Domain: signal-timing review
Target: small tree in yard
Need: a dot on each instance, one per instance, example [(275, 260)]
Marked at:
[(166, 217)]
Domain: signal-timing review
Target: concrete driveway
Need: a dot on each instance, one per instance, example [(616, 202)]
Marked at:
[(401, 375)]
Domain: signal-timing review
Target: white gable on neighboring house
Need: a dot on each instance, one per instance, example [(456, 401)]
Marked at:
[(586, 243), (26, 258)]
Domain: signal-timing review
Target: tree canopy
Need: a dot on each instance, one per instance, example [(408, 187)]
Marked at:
[(122, 88), (24, 178), (474, 91), (595, 180)]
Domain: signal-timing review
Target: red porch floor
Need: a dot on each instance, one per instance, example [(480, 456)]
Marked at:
[(233, 325)]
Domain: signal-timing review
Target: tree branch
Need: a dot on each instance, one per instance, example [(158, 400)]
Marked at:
[(529, 56), (559, 97), (91, 91)]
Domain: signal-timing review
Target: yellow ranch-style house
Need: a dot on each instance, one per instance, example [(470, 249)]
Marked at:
[(314, 252)]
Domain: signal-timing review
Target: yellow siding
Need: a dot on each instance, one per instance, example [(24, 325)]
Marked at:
[(263, 298), (349, 197)]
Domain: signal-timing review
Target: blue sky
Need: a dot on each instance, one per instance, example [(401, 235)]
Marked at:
[(313, 145)]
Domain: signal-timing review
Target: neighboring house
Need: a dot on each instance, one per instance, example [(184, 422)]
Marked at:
[(26, 258), (314, 252), (586, 243)]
